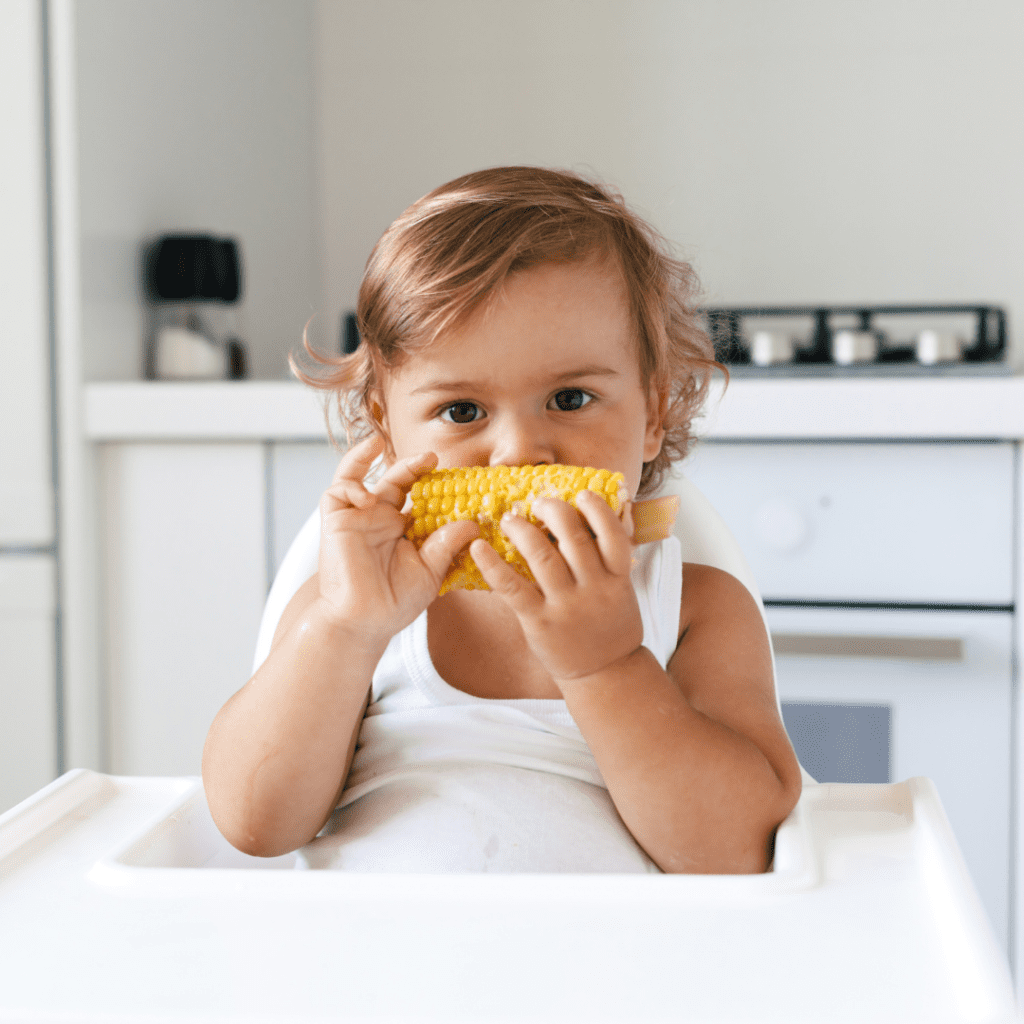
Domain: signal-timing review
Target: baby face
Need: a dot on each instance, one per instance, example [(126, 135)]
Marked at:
[(546, 372)]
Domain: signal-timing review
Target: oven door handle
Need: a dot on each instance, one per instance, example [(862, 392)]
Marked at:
[(841, 645)]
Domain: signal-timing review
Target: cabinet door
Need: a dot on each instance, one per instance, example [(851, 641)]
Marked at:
[(26, 494), (300, 473), (186, 577), (913, 523), (28, 715), (942, 684)]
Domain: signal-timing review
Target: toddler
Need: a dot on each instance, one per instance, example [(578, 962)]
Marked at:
[(617, 713)]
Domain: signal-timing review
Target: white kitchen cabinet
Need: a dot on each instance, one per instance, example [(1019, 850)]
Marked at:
[(193, 533), (299, 474), (29, 756), (26, 491), (185, 580), (28, 713), (856, 521)]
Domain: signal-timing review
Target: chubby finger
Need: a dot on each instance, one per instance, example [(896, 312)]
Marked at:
[(438, 551), (394, 485), (548, 566), (356, 462), (612, 534), (377, 524), (521, 595), (346, 493), (575, 540)]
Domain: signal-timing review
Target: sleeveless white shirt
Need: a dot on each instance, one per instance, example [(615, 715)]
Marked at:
[(443, 781)]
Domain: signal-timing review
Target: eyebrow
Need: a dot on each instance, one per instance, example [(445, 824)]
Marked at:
[(462, 386)]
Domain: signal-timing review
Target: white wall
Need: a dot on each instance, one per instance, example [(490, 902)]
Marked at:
[(196, 115), (798, 151)]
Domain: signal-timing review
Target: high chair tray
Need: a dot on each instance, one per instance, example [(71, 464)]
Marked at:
[(120, 901)]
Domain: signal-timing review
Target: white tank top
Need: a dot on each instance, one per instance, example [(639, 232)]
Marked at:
[(444, 781)]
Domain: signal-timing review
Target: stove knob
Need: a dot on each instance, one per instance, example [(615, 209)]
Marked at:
[(781, 526), (770, 347), (935, 347), (849, 347)]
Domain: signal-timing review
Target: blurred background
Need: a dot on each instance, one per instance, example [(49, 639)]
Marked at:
[(798, 152)]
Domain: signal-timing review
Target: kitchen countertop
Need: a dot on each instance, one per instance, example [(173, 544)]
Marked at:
[(966, 407)]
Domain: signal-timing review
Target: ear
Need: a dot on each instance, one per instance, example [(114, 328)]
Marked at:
[(378, 411), (657, 409)]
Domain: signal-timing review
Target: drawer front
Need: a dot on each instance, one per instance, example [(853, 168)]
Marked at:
[(929, 522), (945, 712)]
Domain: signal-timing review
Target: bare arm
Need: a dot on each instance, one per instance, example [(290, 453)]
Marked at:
[(279, 751), (695, 758)]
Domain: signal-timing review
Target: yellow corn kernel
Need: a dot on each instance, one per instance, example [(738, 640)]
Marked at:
[(486, 493)]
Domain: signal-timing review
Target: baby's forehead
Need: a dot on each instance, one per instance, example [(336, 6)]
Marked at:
[(562, 304)]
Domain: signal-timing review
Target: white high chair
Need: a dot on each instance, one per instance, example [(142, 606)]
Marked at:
[(120, 900)]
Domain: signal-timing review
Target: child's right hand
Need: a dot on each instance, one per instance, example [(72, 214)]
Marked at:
[(371, 577)]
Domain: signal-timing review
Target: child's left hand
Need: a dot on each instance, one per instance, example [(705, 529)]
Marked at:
[(581, 615)]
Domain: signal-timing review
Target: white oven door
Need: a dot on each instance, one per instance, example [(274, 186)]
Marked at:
[(883, 695)]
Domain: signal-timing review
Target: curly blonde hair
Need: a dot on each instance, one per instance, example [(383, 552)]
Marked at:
[(452, 249)]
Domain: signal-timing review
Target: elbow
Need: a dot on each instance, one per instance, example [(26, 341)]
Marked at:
[(790, 785), (255, 845), (743, 841), (251, 836), (244, 826)]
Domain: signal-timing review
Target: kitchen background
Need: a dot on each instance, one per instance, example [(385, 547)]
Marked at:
[(798, 152)]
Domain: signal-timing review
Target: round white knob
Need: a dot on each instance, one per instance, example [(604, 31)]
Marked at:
[(770, 347), (850, 347), (935, 347), (781, 526)]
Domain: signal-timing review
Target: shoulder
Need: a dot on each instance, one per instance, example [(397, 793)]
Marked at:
[(723, 657), (713, 594)]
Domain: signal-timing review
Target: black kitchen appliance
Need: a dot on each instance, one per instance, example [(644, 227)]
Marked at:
[(193, 283)]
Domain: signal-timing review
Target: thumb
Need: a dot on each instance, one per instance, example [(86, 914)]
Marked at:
[(441, 547)]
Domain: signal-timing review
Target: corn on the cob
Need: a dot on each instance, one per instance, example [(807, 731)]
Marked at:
[(486, 493)]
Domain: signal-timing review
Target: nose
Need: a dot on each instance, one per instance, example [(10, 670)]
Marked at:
[(522, 440)]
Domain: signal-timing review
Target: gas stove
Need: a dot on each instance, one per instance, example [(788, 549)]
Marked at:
[(860, 340)]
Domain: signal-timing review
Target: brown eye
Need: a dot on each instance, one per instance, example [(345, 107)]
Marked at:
[(571, 399), (461, 412)]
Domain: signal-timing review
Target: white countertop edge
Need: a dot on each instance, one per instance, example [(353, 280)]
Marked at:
[(944, 408), (203, 410)]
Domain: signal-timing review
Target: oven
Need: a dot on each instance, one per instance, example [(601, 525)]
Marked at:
[(886, 572)]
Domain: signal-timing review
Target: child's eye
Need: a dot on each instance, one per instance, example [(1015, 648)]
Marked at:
[(461, 412), (572, 399)]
